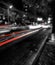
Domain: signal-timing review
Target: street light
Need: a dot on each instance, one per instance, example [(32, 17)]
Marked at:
[(39, 19), (9, 7)]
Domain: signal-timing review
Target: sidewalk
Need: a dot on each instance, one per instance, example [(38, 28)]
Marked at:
[(51, 42), (48, 54), (51, 39)]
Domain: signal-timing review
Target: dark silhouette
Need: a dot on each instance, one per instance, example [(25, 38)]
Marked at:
[(53, 15)]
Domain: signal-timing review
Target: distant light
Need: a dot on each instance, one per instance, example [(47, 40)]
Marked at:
[(30, 5), (37, 6), (3, 18), (25, 9), (6, 22), (1, 21), (24, 15), (34, 27), (49, 21), (49, 18), (39, 19), (11, 6), (49, 0), (25, 6)]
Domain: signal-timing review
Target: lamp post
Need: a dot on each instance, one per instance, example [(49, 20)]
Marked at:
[(8, 11)]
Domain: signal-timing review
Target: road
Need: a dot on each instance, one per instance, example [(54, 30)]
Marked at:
[(20, 47)]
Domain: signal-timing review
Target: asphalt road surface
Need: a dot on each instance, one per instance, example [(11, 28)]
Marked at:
[(21, 52)]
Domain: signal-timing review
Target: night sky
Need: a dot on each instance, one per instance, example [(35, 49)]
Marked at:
[(16, 3)]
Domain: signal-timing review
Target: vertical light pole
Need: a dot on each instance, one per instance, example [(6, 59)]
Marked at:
[(8, 11)]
